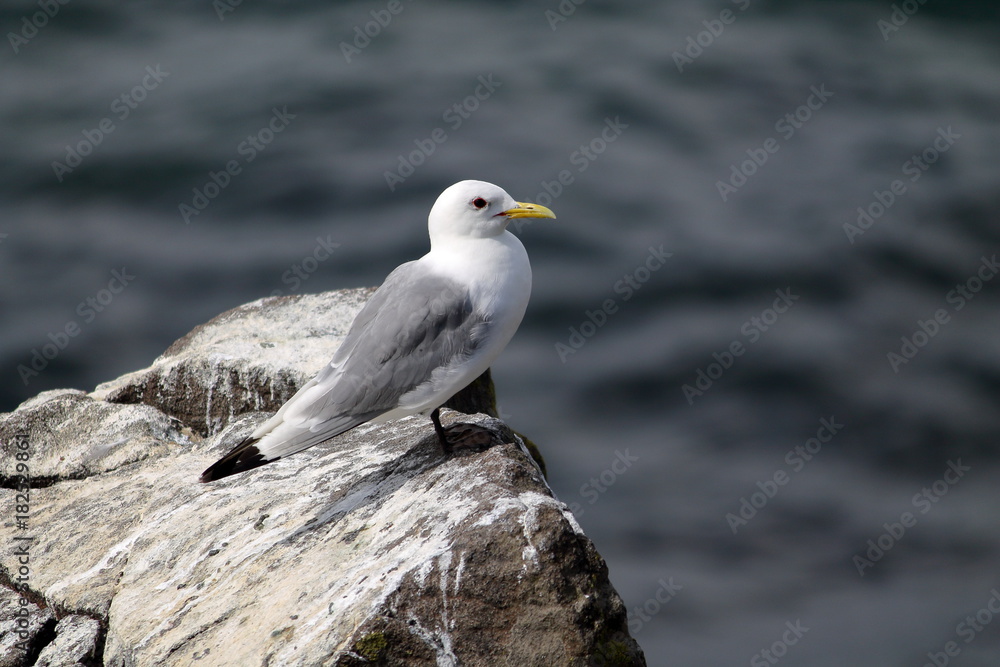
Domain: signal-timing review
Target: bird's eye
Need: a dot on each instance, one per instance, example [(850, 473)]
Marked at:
[(479, 202)]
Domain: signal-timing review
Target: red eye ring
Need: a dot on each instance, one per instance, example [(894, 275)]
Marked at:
[(479, 202)]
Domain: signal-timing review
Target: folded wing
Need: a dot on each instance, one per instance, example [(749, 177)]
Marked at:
[(416, 323)]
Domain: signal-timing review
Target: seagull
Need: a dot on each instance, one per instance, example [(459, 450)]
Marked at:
[(434, 326)]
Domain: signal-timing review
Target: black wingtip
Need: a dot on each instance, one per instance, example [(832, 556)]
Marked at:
[(245, 456)]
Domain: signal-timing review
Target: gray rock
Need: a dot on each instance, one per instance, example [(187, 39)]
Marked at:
[(24, 625), (73, 436), (76, 643), (373, 548), (253, 357)]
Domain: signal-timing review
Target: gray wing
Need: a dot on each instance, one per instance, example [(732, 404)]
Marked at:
[(414, 324)]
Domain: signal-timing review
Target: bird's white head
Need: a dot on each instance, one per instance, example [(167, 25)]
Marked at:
[(476, 209)]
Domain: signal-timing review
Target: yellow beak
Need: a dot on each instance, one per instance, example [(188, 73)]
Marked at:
[(528, 210)]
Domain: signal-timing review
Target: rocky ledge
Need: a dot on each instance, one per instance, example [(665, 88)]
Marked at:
[(373, 548)]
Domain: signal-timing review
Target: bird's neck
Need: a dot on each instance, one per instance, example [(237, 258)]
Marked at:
[(473, 245), (485, 256)]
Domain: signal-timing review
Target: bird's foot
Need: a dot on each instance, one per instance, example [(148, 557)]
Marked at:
[(467, 437)]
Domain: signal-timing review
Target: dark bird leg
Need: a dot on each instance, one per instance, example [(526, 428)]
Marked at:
[(436, 418)]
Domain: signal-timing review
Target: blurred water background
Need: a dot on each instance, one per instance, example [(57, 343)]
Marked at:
[(709, 300)]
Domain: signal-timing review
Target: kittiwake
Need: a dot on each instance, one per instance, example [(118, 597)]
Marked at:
[(434, 326)]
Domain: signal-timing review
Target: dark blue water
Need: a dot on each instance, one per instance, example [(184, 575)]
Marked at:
[(714, 359)]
